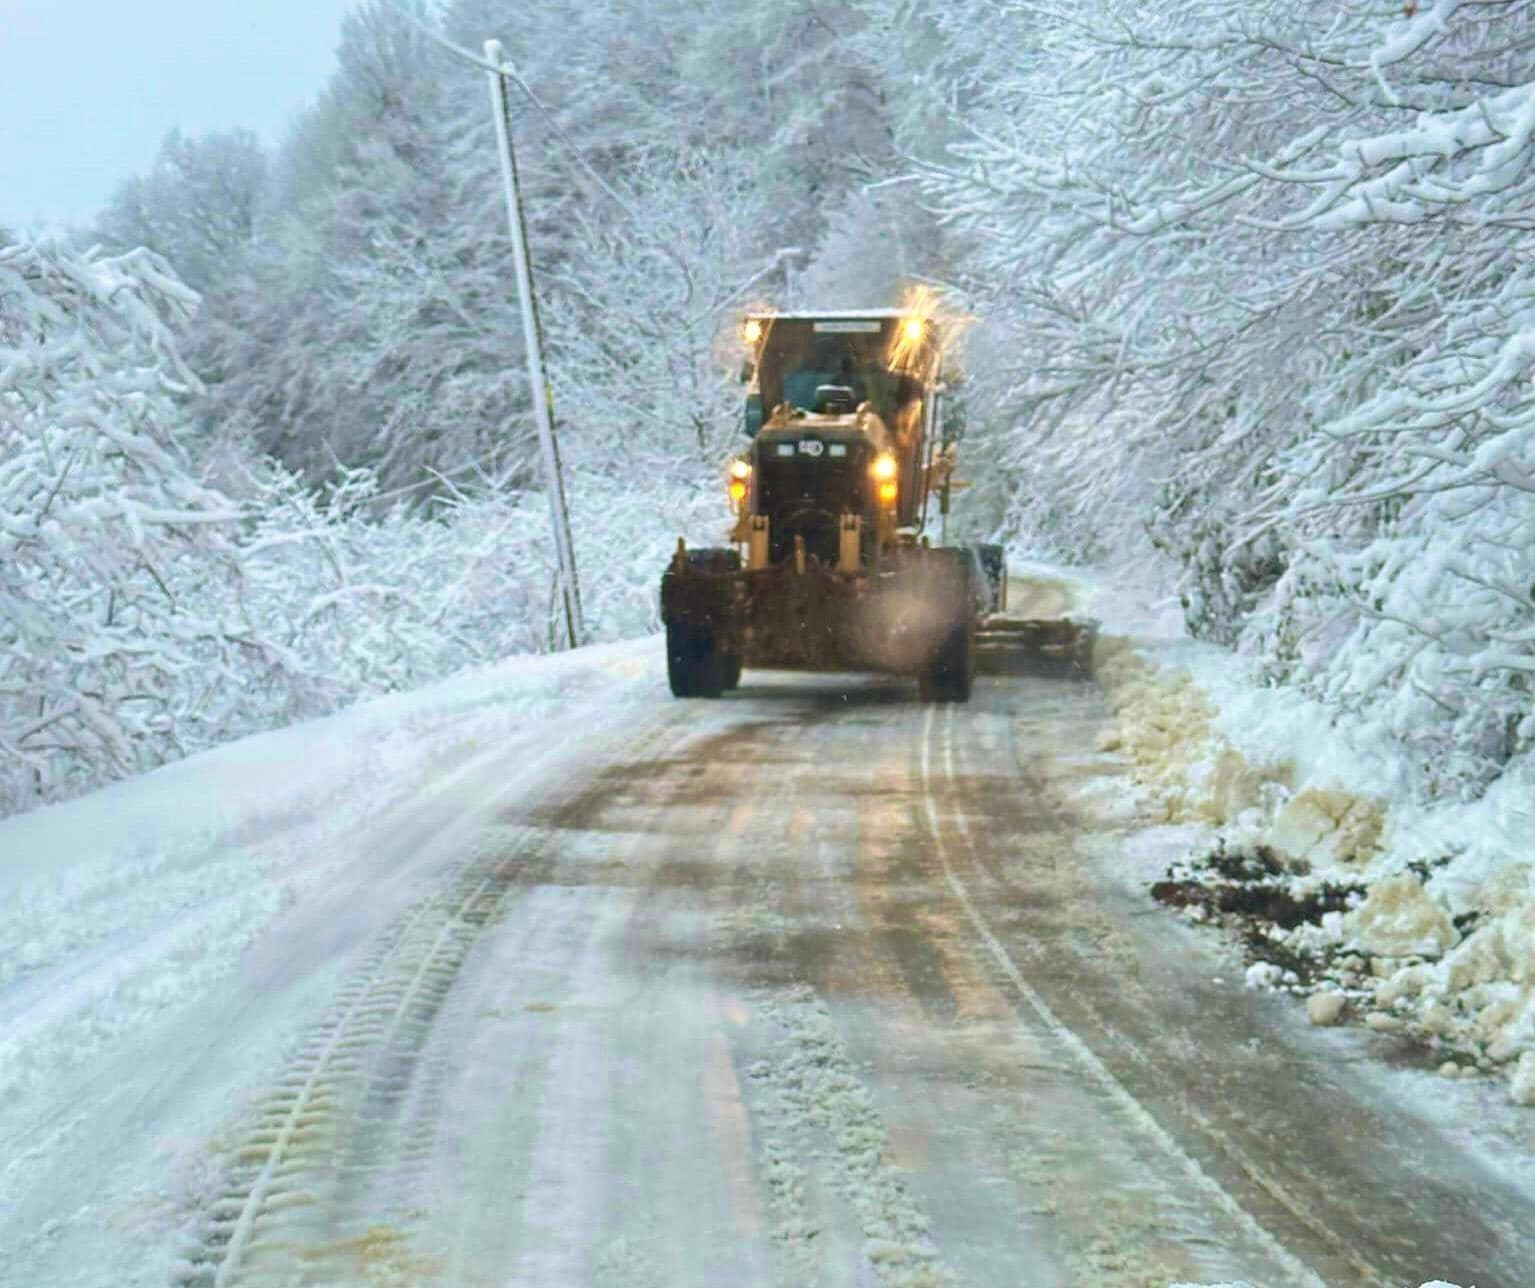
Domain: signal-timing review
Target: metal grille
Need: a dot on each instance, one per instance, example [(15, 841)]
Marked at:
[(806, 496)]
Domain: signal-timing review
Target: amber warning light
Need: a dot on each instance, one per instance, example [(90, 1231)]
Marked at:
[(740, 471)]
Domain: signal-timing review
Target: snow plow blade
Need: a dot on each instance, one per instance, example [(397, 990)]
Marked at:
[(1054, 646)]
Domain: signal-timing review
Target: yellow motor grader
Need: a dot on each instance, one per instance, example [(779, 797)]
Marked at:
[(829, 567)]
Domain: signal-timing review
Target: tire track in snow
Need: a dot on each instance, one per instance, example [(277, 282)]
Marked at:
[(1072, 1046), (577, 1145), (351, 1105), (283, 1180), (1352, 1180)]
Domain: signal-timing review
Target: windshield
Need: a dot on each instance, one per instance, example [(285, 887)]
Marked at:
[(799, 356)]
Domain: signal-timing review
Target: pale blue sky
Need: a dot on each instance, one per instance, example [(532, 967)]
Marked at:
[(88, 88)]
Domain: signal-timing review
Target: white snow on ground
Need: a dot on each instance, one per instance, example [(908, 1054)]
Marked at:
[(817, 1085), (258, 784), (123, 911), (1442, 944)]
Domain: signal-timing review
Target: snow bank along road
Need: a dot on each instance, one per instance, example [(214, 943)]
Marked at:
[(811, 986)]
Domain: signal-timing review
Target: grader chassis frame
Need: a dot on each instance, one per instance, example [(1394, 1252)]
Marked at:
[(917, 616)]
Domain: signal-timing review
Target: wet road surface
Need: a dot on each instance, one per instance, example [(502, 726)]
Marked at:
[(819, 985)]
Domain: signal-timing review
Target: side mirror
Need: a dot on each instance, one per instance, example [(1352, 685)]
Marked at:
[(754, 417), (748, 370)]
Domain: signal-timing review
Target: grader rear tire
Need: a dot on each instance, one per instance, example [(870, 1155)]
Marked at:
[(679, 660), (694, 665), (950, 676)]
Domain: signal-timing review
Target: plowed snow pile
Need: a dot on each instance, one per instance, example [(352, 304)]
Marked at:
[(1408, 915)]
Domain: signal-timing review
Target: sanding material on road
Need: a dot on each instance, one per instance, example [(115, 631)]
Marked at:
[(814, 985)]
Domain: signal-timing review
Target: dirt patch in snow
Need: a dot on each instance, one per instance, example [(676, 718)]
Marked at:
[(1457, 992), (1265, 905), (1254, 894)]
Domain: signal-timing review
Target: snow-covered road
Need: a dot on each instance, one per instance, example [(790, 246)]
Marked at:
[(812, 985)]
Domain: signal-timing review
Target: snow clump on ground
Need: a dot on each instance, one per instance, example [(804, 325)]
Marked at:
[(1342, 878)]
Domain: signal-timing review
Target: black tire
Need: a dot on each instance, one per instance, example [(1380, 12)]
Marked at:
[(679, 660), (1082, 653), (730, 670), (993, 561), (950, 676), (693, 663), (708, 667)]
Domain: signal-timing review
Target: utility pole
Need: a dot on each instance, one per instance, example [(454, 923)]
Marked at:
[(543, 397)]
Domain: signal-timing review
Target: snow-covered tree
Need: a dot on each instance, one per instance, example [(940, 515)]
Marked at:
[(198, 205), (143, 613), (99, 512), (1261, 276), (376, 325)]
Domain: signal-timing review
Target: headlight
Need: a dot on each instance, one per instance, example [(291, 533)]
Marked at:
[(884, 467), (751, 330), (740, 468), (737, 490), (913, 329), (887, 493)]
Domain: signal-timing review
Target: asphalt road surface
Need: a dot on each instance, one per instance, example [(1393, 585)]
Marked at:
[(819, 985), (813, 985)]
